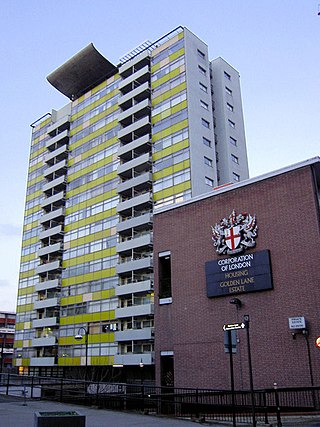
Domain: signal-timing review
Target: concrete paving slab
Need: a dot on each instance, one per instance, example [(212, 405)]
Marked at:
[(14, 414)]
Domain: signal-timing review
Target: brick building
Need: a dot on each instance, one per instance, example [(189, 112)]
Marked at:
[(275, 282), (7, 325)]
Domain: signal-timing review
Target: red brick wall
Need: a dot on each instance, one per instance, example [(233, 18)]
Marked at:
[(288, 221)]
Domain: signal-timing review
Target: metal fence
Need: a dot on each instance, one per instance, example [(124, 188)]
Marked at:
[(202, 404)]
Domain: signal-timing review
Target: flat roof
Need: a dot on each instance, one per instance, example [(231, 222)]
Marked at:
[(81, 73), (233, 186)]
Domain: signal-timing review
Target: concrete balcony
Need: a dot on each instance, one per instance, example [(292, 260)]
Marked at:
[(134, 334), (46, 321), (59, 123), (140, 146), (134, 310), (133, 128), (60, 166), (136, 242), (61, 181), (140, 163), (135, 222), (44, 342), (56, 153), (134, 77), (131, 288), (50, 249), (44, 268), (43, 361), (51, 231), (141, 92), (143, 106), (48, 284), (56, 198), (57, 213), (135, 264), (138, 181), (141, 200), (134, 359), (138, 58), (45, 303), (7, 331), (61, 137)]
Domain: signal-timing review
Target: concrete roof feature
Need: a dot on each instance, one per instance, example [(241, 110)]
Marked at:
[(80, 73)]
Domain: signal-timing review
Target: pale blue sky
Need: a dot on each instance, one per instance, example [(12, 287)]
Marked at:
[(274, 44)]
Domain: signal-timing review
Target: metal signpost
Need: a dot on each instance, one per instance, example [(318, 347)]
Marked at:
[(230, 327), (230, 348)]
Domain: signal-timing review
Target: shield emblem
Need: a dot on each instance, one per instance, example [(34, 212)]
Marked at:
[(232, 237)]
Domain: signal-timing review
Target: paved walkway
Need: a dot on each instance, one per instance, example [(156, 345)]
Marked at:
[(13, 413)]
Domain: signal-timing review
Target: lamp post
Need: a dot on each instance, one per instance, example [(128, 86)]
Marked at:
[(141, 364), (246, 320), (79, 337)]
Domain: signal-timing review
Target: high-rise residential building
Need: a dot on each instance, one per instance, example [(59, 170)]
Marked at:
[(162, 126)]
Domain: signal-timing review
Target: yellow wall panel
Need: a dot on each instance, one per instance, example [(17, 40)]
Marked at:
[(69, 361), (101, 198), (170, 130), (110, 272), (172, 190), (170, 150), (167, 77), (169, 93), (89, 257), (87, 318)]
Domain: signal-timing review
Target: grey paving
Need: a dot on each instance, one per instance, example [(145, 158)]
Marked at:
[(14, 414)]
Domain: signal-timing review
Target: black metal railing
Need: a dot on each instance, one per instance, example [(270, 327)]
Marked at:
[(205, 404)]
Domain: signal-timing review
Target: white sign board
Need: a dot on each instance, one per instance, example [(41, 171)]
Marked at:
[(298, 322)]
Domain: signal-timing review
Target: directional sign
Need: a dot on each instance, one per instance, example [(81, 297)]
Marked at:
[(231, 326)]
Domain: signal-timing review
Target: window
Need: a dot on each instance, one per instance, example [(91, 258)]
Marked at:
[(229, 107), (227, 76), (232, 124), (205, 123), (209, 181), (233, 141), (235, 176), (207, 161), (201, 54), (206, 141), (203, 87), (229, 91), (164, 274), (202, 70), (204, 105), (235, 159)]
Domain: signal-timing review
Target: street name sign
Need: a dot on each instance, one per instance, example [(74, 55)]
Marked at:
[(232, 326)]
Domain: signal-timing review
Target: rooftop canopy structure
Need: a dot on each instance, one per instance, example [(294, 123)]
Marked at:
[(80, 73)]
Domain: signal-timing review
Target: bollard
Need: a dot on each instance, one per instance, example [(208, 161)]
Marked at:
[(24, 392)]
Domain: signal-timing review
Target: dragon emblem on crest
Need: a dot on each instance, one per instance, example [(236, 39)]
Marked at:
[(235, 234)]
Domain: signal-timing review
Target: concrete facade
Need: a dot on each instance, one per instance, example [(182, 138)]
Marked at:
[(190, 325)]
